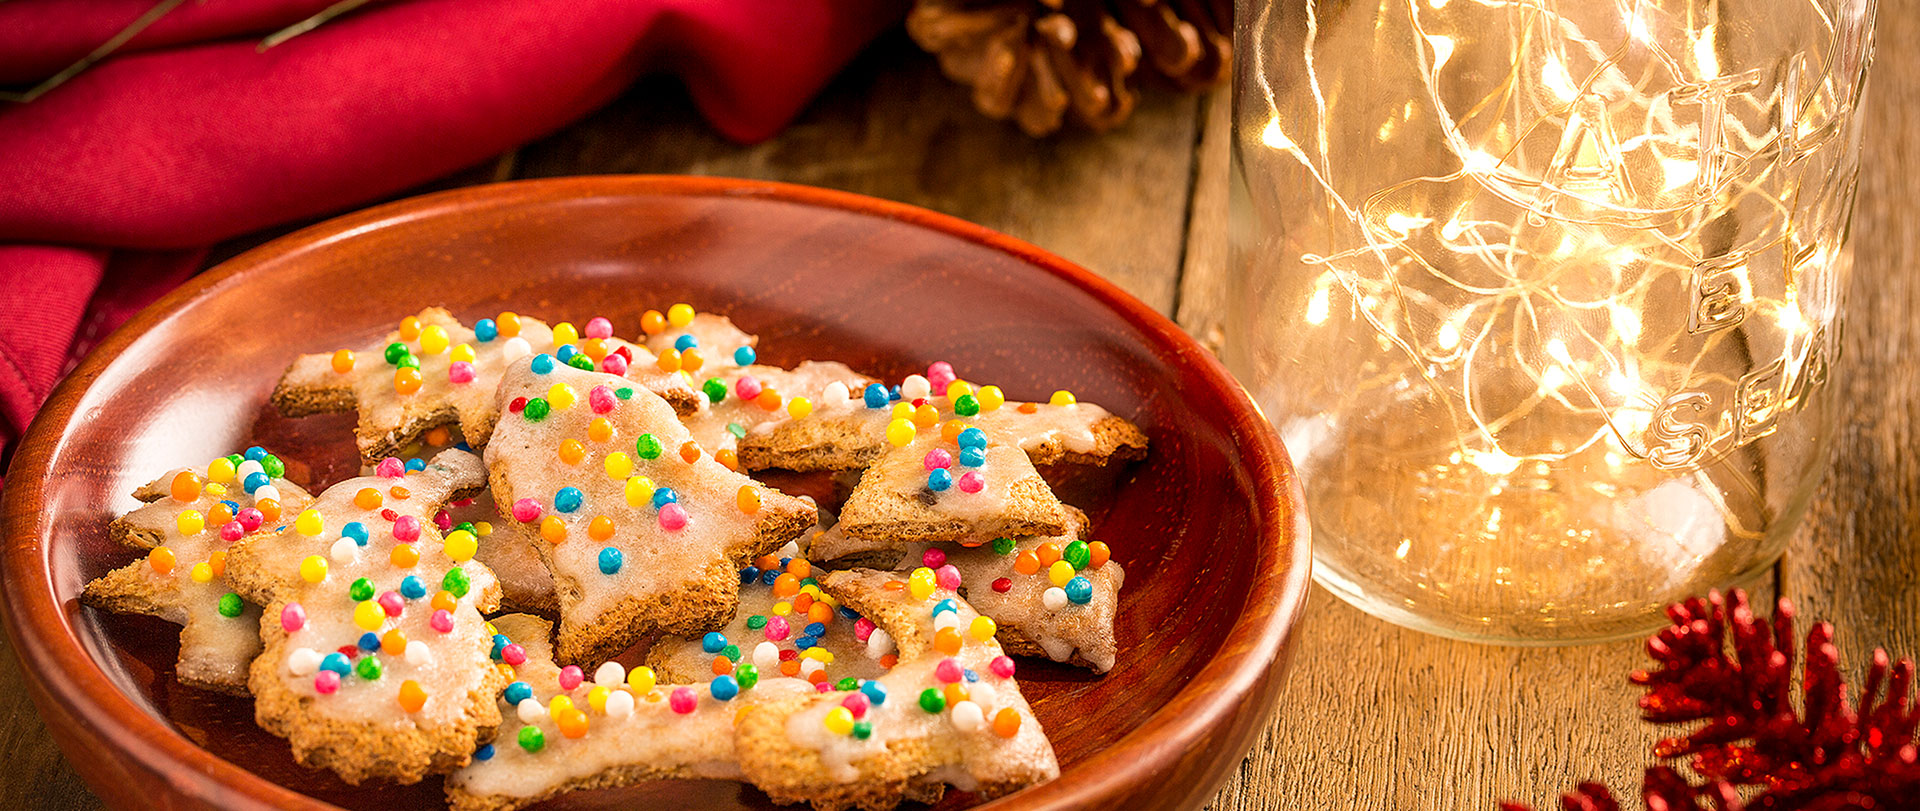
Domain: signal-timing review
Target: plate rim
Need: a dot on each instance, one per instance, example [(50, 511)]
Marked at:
[(88, 715)]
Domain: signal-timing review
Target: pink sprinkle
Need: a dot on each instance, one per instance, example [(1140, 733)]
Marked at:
[(614, 364), (570, 677), (940, 373), (526, 511), (972, 482), (391, 468), (441, 621), (465, 502), (937, 458), (673, 518), (293, 617), (601, 399), (515, 655), (947, 576), (682, 700), (933, 558), (443, 520), (250, 518), (862, 628), (391, 603), (823, 686), (948, 671), (777, 628), (326, 682), (598, 327), (856, 703), (406, 529), (460, 371), (1001, 666), (747, 387), (232, 531)]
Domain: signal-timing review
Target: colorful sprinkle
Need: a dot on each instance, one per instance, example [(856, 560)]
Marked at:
[(683, 701)]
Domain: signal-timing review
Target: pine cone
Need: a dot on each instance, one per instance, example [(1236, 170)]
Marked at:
[(1035, 60)]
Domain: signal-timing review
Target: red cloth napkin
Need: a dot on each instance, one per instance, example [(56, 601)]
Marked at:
[(112, 184)]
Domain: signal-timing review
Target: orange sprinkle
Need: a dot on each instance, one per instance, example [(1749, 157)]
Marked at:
[(399, 492), (954, 693), (748, 499), (405, 556), (767, 562), (1029, 408), (893, 585), (722, 666), (508, 324), (161, 559), (817, 676), (690, 451), (1098, 554), (572, 723), (269, 509), (926, 415), (600, 528), (820, 613), (1006, 722), (600, 430), (790, 668), (217, 561), (220, 514), (445, 601), (669, 360), (769, 400), (438, 436), (1027, 562), (799, 567), (947, 641), (652, 322), (889, 660), (368, 499), (186, 487), (1048, 553), (572, 451), (553, 529), (802, 601), (786, 585), (393, 643), (412, 696), (594, 348), (409, 328), (727, 459), (406, 380), (343, 361), (950, 431), (691, 361)]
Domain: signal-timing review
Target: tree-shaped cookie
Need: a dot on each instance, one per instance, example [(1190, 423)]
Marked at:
[(941, 484), (642, 529), (434, 371), (189, 521), (377, 661)]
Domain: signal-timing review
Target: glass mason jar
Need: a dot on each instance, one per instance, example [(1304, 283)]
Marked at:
[(1543, 294)]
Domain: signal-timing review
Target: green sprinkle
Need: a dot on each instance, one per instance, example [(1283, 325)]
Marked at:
[(847, 684), (647, 446), (747, 676), (716, 390), (1003, 546), (732, 652), (531, 739), (368, 667), (538, 409), (624, 392), (230, 605), (756, 622), (456, 582), (932, 701), (467, 526), (272, 466), (397, 351), (361, 590), (409, 362), (236, 459), (966, 405), (863, 729), (581, 362), (1077, 555), (737, 430)]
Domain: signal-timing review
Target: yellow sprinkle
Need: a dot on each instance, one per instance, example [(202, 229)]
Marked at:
[(900, 433), (619, 466), (902, 411), (564, 333), (202, 572), (461, 545), (433, 339), (215, 489), (190, 522), (782, 608), (920, 584), (1060, 572), (368, 615), (958, 389), (314, 569), (482, 528), (1062, 398), (640, 679), (597, 699), (463, 352), (561, 396), (799, 407), (680, 315), (839, 721), (639, 492), (220, 470), (817, 652), (309, 524), (559, 704), (982, 628), (990, 398)]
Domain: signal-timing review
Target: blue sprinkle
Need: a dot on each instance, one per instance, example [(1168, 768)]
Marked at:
[(876, 396), (744, 356), (485, 330), (355, 530), (369, 641), (416, 464), (464, 446), (848, 613), (484, 753), (517, 692), (567, 352), (1080, 590), (784, 562), (713, 642), (876, 692), (816, 629), (806, 642), (724, 688), (973, 457), (938, 480), (685, 342), (944, 605), (893, 393), (663, 496), (973, 438), (568, 499), (412, 587), (767, 577), (610, 559), (232, 506), (749, 574), (256, 453), (971, 676), (256, 481), (500, 641), (542, 363), (336, 662)]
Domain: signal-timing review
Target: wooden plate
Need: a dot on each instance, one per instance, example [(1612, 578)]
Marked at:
[(1210, 528)]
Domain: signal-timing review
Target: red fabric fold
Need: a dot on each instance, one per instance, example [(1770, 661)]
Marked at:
[(189, 134)]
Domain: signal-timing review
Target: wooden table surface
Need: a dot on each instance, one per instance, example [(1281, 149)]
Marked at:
[(1373, 716)]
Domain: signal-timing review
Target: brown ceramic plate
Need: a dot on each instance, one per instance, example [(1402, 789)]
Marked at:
[(1210, 528)]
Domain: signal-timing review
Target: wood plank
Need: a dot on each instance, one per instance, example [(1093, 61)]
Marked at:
[(1205, 283), (892, 126), (38, 776)]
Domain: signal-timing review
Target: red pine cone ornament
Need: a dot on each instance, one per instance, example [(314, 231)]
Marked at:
[(1827, 756), (1034, 61)]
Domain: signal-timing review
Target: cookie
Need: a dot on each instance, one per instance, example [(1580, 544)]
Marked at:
[(942, 485), (376, 663), (509, 552), (185, 528), (756, 400), (567, 731), (434, 371), (786, 625), (641, 528), (717, 345), (950, 711)]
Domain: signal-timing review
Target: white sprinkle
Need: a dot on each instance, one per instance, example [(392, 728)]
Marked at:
[(1055, 598), (418, 654), (835, 393), (619, 704), (531, 711), (766, 656), (914, 388), (967, 717), (947, 619), (303, 661), (515, 348), (610, 675), (266, 491), (880, 644), (344, 550), (807, 666), (791, 550), (247, 468)]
